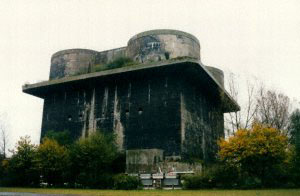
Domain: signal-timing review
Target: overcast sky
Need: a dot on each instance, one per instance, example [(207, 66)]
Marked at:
[(248, 37)]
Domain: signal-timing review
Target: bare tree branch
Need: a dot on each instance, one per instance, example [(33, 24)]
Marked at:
[(273, 109), (241, 119), (3, 138)]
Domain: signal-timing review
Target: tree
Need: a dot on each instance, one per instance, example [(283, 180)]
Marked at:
[(62, 137), (4, 140), (273, 109), (258, 105), (92, 159), (52, 162), (22, 168), (3, 137), (294, 133), (244, 118), (294, 128), (256, 151), (3, 168)]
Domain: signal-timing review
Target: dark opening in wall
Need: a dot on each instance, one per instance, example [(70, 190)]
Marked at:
[(69, 118), (80, 116), (140, 110), (167, 55), (127, 112), (89, 68)]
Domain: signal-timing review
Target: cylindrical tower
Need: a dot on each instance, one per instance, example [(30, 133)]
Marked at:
[(162, 44), (71, 62)]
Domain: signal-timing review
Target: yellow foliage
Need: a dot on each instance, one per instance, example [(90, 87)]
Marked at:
[(256, 145), (51, 156)]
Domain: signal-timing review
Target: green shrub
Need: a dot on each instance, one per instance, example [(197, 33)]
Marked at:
[(250, 182), (198, 182), (63, 138), (92, 159), (221, 176), (99, 67), (224, 176), (89, 180), (124, 182), (195, 182), (21, 168), (52, 160), (120, 62), (117, 63)]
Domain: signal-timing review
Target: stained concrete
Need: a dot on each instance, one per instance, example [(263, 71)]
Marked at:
[(158, 45), (168, 101)]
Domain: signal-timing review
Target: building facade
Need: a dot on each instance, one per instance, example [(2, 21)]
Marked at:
[(165, 98)]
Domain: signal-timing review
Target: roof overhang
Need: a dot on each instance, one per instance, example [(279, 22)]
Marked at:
[(188, 67)]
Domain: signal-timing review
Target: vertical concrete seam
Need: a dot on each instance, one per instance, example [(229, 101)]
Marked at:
[(92, 112)]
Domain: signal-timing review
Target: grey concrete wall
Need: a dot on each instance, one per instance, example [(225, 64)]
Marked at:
[(202, 123), (160, 45), (149, 46), (143, 160), (81, 61), (71, 62), (218, 74), (147, 109), (107, 56), (142, 111), (170, 166)]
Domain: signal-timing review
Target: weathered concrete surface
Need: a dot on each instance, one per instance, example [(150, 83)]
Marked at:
[(217, 74), (42, 88), (152, 161), (143, 160), (169, 101), (177, 166), (202, 126), (107, 56), (165, 113), (72, 62), (160, 45), (136, 110)]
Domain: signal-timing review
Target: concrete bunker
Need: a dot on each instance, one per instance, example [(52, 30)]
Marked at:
[(165, 107)]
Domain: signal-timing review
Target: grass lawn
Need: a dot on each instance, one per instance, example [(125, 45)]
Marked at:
[(288, 192)]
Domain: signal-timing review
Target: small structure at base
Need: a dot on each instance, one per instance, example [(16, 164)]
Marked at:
[(156, 171)]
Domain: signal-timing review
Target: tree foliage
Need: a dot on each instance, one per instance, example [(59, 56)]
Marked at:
[(294, 128), (92, 158), (90, 162), (62, 137), (294, 131), (125, 182), (256, 151), (21, 166), (52, 162)]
